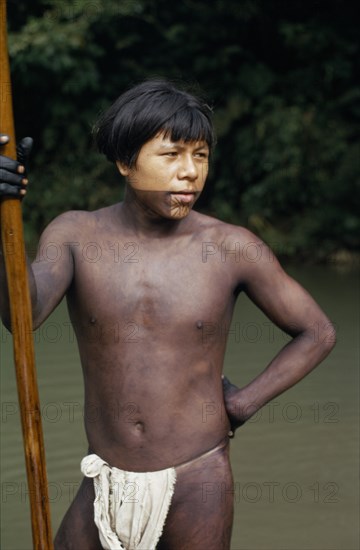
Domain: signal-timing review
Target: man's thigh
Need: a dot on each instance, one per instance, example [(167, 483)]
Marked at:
[(78, 530), (201, 512)]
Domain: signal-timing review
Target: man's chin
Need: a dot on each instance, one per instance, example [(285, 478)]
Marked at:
[(179, 212)]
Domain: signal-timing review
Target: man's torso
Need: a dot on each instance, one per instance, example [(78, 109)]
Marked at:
[(151, 318)]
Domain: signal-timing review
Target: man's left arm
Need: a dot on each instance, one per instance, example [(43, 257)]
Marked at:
[(294, 311)]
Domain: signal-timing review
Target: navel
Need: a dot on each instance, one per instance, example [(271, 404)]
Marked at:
[(199, 324), (92, 320), (140, 426)]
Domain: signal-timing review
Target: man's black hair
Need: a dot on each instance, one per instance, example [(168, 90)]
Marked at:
[(139, 114)]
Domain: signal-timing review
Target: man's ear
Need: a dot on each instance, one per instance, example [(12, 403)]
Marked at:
[(123, 169)]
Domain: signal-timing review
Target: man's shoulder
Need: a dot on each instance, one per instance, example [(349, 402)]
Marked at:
[(235, 245), (224, 231), (80, 219), (70, 219), (69, 225)]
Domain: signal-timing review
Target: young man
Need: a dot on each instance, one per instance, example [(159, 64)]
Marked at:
[(139, 314)]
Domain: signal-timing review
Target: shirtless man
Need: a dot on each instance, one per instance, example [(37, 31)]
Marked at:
[(143, 280)]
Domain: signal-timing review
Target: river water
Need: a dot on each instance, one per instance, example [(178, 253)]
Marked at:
[(295, 464)]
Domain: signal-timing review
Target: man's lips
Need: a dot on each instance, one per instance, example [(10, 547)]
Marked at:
[(184, 196)]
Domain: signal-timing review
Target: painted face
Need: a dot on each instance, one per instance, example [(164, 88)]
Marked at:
[(171, 175)]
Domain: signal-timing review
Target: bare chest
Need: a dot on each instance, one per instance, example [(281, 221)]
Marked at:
[(150, 286)]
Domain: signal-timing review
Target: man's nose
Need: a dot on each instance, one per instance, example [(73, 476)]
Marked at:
[(188, 168)]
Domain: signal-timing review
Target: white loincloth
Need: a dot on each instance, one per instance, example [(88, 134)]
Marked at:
[(130, 508)]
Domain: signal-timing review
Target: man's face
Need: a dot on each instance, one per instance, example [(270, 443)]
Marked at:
[(168, 176)]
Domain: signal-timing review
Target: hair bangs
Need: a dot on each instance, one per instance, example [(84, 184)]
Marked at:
[(189, 124)]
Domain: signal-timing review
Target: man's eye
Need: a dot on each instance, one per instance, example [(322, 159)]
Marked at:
[(202, 155)]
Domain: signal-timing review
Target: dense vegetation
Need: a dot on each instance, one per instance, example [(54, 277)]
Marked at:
[(281, 76)]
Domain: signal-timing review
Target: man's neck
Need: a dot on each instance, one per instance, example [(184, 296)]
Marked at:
[(146, 223)]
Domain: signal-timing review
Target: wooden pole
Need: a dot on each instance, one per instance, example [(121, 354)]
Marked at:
[(21, 323)]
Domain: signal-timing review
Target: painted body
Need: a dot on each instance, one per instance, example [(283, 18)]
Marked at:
[(151, 287)]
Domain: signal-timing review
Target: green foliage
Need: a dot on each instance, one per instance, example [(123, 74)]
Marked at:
[(282, 80)]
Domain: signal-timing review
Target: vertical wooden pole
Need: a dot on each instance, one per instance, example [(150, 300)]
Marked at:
[(21, 323)]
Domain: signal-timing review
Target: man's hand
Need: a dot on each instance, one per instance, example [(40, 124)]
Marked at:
[(232, 405), (13, 176)]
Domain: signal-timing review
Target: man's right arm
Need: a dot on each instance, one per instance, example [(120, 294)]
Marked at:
[(53, 267), (49, 276)]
